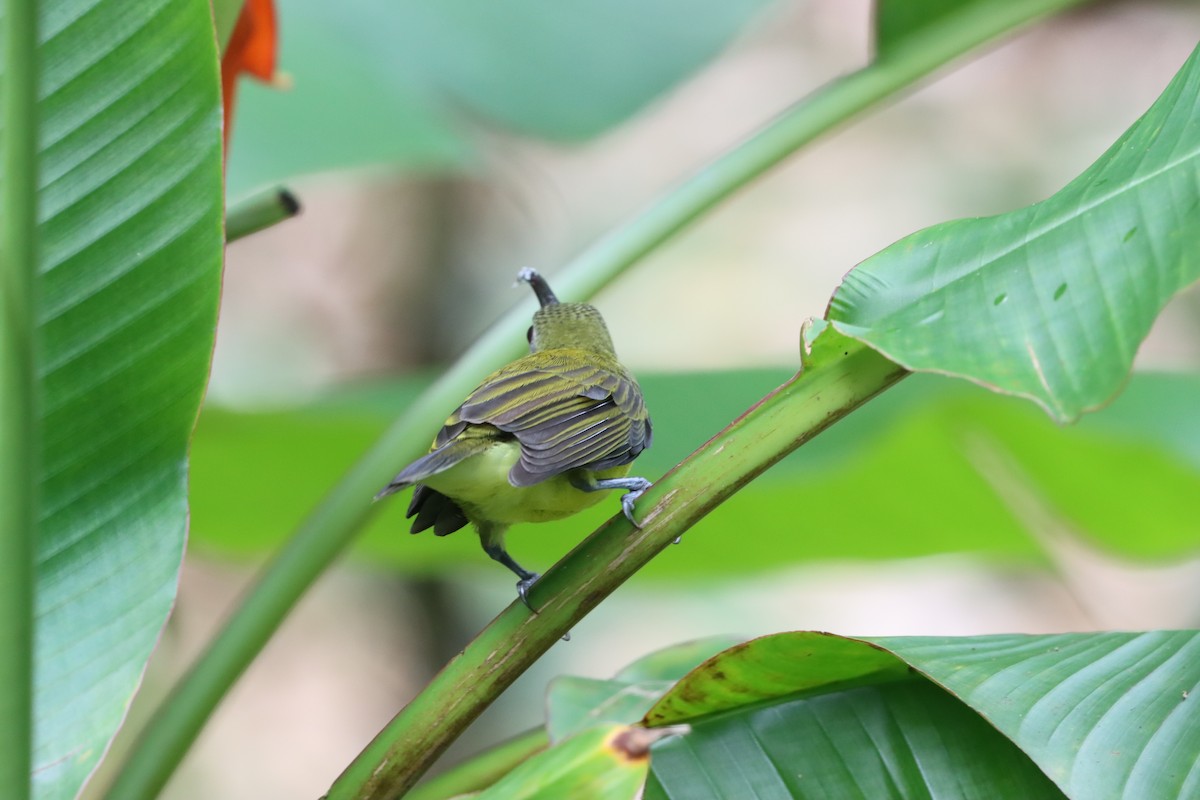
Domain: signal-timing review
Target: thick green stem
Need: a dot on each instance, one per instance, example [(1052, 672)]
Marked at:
[(260, 212), (825, 392), (18, 395), (331, 527)]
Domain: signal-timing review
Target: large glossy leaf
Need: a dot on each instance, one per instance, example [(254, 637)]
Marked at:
[(1049, 302), (885, 742), (771, 668), (938, 456), (378, 82), (131, 254), (1106, 715), (1102, 715)]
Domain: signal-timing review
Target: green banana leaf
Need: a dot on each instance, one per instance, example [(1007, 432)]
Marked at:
[(1049, 302), (131, 241), (808, 715), (813, 715)]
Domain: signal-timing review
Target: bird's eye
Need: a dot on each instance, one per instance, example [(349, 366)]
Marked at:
[(529, 335)]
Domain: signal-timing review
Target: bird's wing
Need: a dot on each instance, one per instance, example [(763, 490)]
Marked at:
[(565, 414), (441, 458)]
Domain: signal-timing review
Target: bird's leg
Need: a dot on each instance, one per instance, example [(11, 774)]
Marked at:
[(492, 539), (634, 487), (496, 550), (528, 579)]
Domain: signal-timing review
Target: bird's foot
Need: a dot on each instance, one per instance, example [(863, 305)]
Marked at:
[(523, 587), (631, 496)]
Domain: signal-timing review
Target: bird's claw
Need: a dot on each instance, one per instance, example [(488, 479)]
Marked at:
[(630, 497), (523, 587)]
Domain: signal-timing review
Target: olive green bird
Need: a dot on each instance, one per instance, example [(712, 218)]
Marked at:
[(538, 440)]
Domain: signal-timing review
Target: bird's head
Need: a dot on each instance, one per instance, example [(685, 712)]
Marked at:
[(556, 325)]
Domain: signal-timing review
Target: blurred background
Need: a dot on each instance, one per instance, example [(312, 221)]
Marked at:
[(437, 147)]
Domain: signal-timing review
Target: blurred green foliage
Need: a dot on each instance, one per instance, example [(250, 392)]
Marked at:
[(380, 83), (932, 466)]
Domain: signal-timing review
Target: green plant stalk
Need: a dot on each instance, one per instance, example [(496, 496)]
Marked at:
[(785, 419), (484, 769), (259, 213), (331, 527), (18, 395)]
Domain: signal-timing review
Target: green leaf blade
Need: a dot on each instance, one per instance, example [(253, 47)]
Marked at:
[(898, 739), (1086, 715), (770, 668), (1049, 302), (1105, 715), (131, 218)]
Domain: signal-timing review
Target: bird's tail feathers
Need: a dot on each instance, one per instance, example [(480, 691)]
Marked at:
[(433, 509), (440, 460)]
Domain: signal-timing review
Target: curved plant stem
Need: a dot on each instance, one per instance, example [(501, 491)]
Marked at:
[(332, 525), (847, 375), (18, 395)]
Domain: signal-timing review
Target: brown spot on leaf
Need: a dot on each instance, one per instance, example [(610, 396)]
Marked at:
[(633, 743)]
